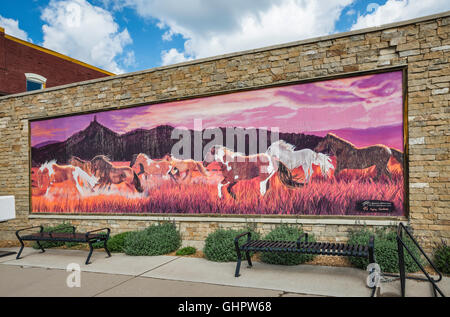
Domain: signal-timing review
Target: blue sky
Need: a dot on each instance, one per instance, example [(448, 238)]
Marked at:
[(130, 35)]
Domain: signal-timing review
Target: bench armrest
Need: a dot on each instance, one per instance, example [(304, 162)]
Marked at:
[(300, 238), (108, 231), (236, 240), (17, 232)]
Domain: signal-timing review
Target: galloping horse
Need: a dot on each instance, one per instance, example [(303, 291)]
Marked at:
[(84, 165), (142, 164), (305, 158), (349, 156), (108, 174), (50, 173), (186, 167), (236, 167)]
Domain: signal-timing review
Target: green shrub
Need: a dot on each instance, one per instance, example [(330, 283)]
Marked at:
[(219, 245), (286, 233), (62, 228), (155, 240), (186, 251), (117, 242), (442, 258), (385, 250)]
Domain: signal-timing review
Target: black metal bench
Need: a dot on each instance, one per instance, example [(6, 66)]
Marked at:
[(76, 237), (305, 247)]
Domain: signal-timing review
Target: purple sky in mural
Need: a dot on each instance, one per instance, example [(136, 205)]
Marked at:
[(355, 108)]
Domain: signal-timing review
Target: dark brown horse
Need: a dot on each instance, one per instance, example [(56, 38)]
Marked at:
[(349, 156), (109, 174), (237, 167)]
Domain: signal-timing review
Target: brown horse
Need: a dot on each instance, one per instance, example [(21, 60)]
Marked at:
[(108, 174), (84, 165), (237, 167), (142, 164), (186, 167), (349, 156)]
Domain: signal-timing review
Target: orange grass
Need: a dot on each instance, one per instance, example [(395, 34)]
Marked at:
[(332, 196)]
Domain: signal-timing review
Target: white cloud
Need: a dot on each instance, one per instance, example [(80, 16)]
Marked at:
[(12, 28), (85, 32), (399, 10), (214, 27), (172, 56)]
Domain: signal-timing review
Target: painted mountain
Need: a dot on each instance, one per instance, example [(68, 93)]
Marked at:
[(97, 139)]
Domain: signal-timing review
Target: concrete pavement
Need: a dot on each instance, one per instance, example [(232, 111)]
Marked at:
[(44, 274)]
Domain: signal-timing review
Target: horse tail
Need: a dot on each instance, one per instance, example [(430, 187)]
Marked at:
[(285, 176), (137, 183), (133, 159), (201, 168), (397, 155)]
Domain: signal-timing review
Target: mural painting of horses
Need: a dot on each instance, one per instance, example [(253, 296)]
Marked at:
[(178, 167), (143, 165), (51, 173), (305, 158), (236, 167), (306, 148), (108, 174), (349, 156)]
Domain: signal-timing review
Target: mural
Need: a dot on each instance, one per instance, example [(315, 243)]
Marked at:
[(333, 147)]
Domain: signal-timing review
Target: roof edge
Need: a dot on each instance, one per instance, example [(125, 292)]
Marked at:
[(56, 54)]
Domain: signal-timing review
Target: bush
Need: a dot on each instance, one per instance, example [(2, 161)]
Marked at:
[(286, 233), (219, 245), (442, 258), (186, 251), (385, 250), (155, 240), (62, 228), (117, 242)]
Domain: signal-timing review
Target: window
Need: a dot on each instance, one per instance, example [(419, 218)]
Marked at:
[(35, 81)]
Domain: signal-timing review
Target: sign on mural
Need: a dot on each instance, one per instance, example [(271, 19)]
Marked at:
[(331, 147)]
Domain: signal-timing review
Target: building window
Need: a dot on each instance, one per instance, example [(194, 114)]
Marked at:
[(35, 81)]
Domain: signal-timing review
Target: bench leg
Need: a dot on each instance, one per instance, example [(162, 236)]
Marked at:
[(106, 248), (40, 246), (238, 264), (91, 248), (249, 260), (21, 249)]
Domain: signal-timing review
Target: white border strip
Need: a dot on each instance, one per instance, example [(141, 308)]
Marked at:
[(317, 221)]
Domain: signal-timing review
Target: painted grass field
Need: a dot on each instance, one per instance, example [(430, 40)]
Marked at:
[(332, 196)]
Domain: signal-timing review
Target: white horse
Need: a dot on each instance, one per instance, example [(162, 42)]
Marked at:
[(50, 173), (305, 158)]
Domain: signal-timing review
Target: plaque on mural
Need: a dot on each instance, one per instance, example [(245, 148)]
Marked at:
[(375, 206), (308, 148)]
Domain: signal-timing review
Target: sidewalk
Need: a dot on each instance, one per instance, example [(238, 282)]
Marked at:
[(38, 274)]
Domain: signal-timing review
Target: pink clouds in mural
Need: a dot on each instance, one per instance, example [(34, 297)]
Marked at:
[(357, 105)]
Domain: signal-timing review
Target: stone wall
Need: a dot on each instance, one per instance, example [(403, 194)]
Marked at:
[(423, 45)]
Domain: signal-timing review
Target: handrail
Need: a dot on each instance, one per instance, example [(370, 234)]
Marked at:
[(401, 245)]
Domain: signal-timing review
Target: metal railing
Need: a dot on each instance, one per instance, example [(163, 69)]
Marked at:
[(401, 246)]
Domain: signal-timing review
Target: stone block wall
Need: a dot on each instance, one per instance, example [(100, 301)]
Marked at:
[(422, 45)]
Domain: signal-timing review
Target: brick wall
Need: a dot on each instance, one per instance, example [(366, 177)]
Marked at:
[(16, 59), (422, 44)]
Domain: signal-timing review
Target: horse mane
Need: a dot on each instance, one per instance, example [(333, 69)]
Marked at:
[(47, 165), (102, 157), (284, 145), (76, 158)]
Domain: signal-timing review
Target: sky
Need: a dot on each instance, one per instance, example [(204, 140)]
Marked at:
[(130, 35), (361, 104)]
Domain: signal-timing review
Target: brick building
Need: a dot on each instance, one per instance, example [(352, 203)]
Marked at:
[(25, 66)]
